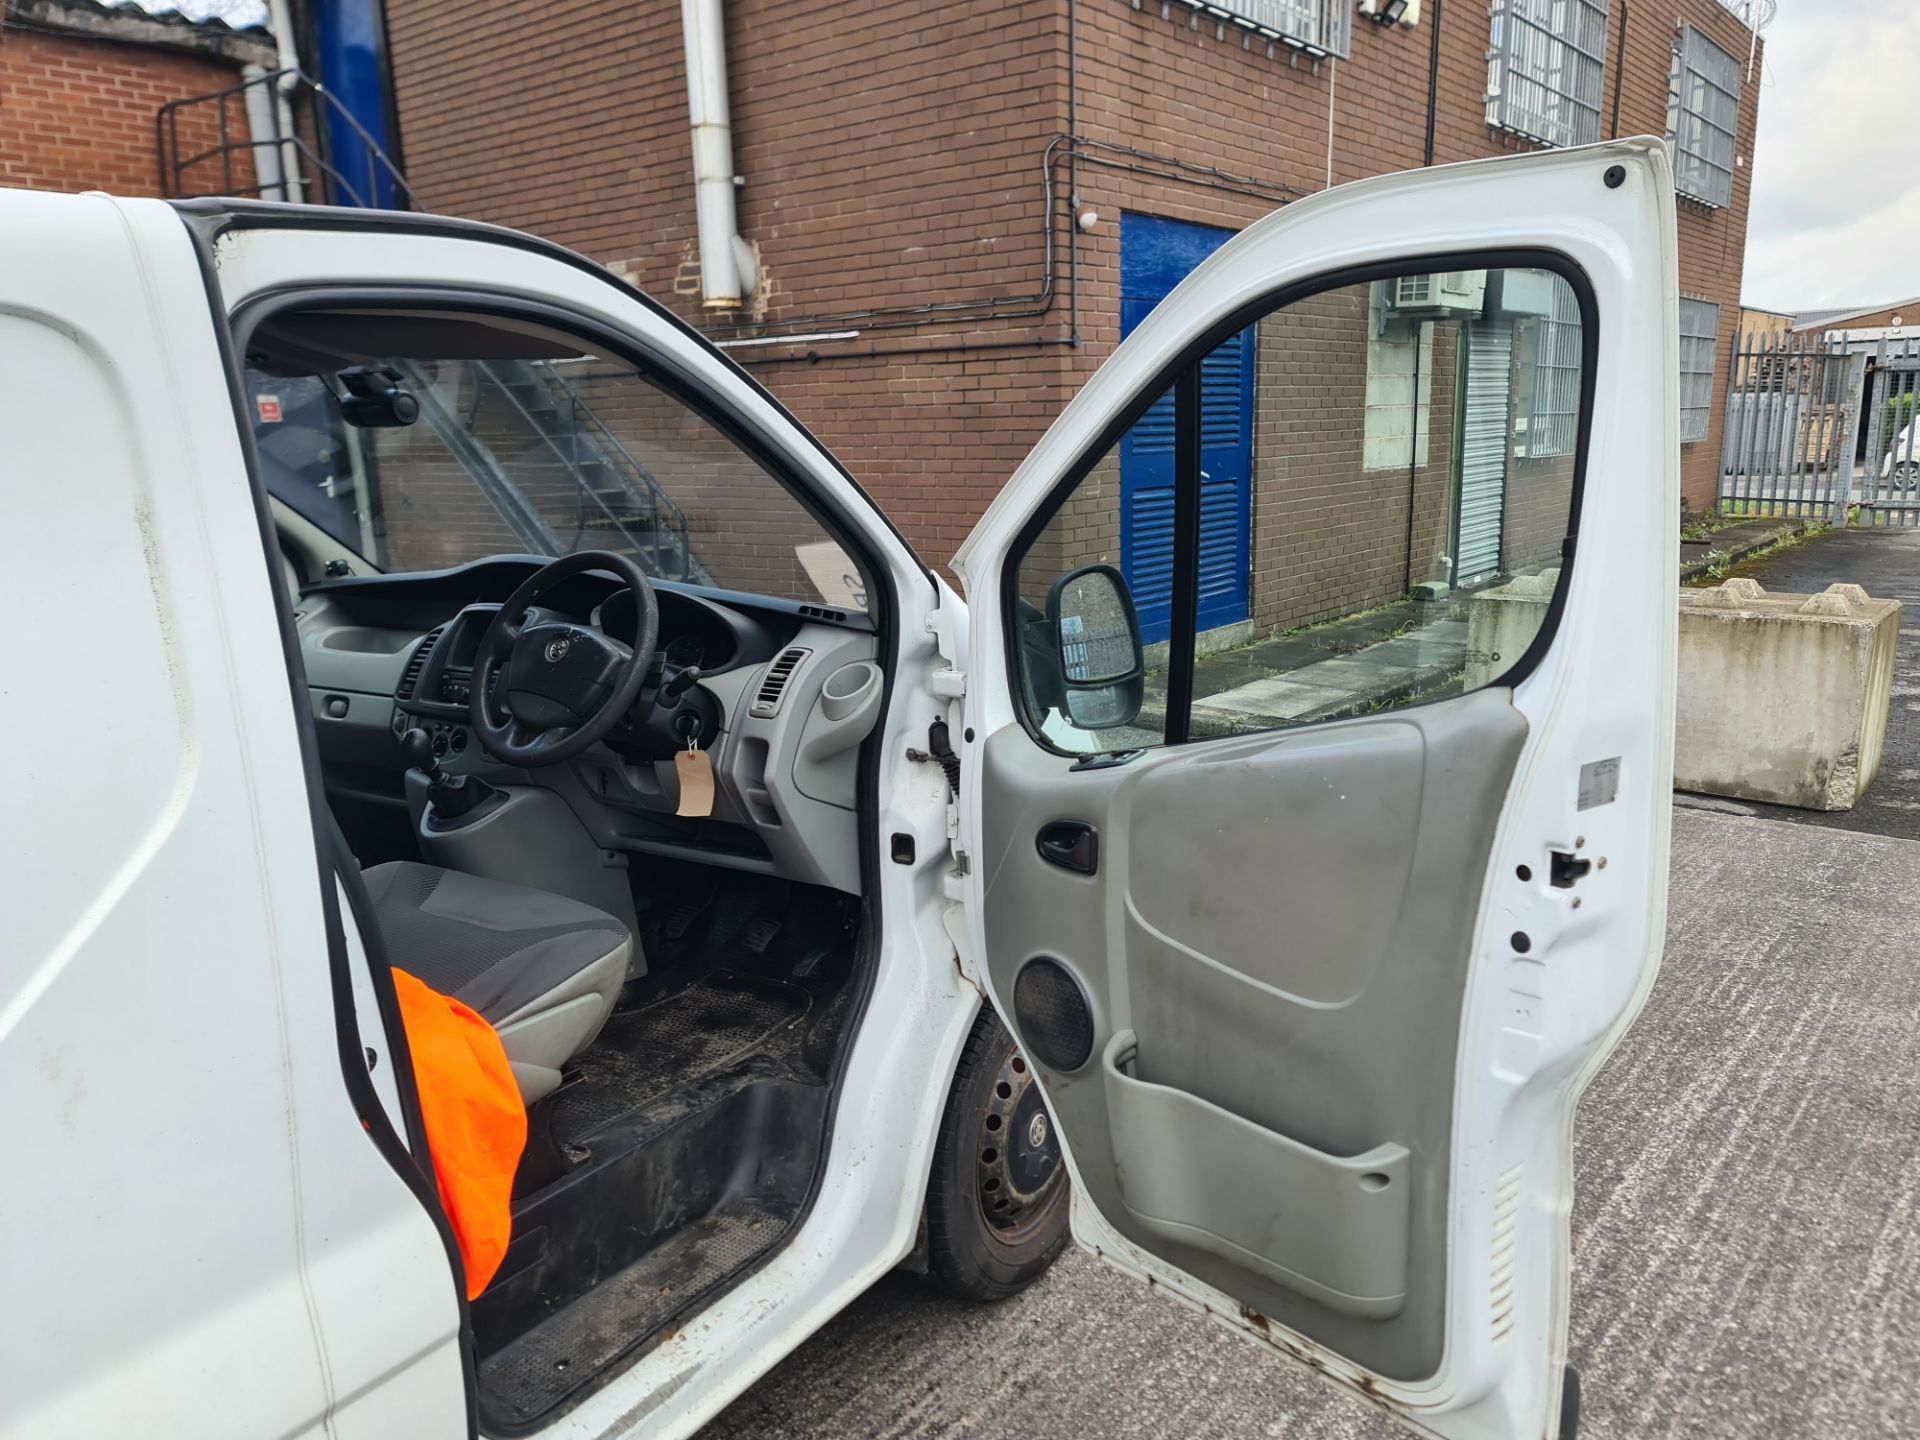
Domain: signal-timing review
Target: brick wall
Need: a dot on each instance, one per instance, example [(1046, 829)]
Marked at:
[(1330, 534), (1903, 315), (77, 112), (894, 156), (1713, 243)]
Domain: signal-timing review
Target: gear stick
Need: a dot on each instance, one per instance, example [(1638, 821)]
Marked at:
[(449, 797)]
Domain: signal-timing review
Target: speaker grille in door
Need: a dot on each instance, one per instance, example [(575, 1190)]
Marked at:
[(1051, 1013)]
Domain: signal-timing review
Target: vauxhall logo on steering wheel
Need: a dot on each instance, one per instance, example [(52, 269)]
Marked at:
[(557, 649)]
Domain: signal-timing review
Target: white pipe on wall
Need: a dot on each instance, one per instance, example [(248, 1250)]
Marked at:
[(726, 262), (280, 21), (264, 130)]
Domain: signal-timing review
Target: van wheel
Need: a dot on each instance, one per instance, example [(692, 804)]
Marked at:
[(997, 1200)]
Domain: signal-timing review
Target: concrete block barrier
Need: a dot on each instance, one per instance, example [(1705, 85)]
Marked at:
[(1501, 624), (1783, 698)]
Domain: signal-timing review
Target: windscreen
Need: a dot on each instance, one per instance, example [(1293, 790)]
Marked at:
[(462, 448)]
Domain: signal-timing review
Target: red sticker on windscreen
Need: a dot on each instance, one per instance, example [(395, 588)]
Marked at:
[(269, 406)]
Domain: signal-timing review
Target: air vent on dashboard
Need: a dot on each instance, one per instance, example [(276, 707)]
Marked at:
[(416, 662), (820, 612), (773, 686)]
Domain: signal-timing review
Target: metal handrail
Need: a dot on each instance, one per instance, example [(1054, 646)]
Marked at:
[(666, 522), (279, 85), (656, 493)]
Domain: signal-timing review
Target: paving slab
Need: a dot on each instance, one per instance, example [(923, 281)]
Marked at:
[(1280, 697), (1746, 1237), (1387, 669)]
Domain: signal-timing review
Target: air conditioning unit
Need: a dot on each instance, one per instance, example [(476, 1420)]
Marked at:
[(1522, 294), (1447, 292)]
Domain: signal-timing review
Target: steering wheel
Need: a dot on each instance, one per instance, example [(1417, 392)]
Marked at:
[(563, 686)]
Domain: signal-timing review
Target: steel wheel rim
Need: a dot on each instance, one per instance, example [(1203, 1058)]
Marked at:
[(1017, 1165)]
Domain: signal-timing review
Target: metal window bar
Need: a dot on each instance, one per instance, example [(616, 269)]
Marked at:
[(1323, 26), (1703, 117), (1555, 422), (1699, 329), (1546, 64)]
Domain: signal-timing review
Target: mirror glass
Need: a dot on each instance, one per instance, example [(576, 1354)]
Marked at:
[(1097, 637)]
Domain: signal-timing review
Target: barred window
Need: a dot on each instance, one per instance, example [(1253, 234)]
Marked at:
[(1703, 113), (1549, 423), (1699, 328), (1544, 69), (1323, 25)]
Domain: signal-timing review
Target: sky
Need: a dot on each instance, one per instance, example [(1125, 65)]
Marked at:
[(1835, 216)]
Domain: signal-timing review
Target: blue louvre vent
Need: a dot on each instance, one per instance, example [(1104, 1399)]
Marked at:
[(1155, 256)]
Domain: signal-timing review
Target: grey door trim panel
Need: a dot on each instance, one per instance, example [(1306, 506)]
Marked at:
[(1333, 1228), (1285, 921)]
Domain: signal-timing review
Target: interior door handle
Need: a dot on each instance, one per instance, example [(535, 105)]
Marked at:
[(1071, 844)]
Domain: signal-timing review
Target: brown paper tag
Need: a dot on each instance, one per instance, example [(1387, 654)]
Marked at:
[(695, 771)]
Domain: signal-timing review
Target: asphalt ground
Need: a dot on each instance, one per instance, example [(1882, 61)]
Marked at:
[(1746, 1233), (1887, 563)]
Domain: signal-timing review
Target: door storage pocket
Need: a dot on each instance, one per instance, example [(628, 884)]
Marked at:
[(1332, 1228)]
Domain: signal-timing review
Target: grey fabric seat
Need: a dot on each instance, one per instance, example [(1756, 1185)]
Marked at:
[(543, 969)]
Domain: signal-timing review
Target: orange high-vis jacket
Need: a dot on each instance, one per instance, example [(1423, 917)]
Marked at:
[(476, 1122)]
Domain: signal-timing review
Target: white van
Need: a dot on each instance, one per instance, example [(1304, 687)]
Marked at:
[(392, 591), (1901, 464)]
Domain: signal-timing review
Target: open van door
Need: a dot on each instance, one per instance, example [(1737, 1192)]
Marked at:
[(1315, 927)]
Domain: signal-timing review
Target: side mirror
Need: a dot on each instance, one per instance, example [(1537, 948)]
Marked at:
[(1102, 662)]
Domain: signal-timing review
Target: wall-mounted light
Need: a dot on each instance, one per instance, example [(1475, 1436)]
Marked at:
[(1391, 12), (1087, 218)]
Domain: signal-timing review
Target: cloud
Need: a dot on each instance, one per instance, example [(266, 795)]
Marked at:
[(1836, 182)]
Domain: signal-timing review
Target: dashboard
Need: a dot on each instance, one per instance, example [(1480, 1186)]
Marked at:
[(384, 654)]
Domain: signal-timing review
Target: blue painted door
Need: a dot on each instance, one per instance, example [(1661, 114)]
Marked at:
[(1155, 256)]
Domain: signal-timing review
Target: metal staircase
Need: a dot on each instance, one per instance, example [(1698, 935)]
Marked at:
[(617, 493), (617, 500), (615, 496)]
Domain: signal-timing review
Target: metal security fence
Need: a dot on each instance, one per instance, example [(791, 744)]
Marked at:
[(1887, 487), (1792, 422)]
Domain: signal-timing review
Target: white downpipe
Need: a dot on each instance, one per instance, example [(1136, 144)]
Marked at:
[(726, 263), (280, 21), (264, 130)]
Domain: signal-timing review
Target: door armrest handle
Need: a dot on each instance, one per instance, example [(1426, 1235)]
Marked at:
[(1071, 844)]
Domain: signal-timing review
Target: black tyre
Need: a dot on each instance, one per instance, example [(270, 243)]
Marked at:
[(997, 1199)]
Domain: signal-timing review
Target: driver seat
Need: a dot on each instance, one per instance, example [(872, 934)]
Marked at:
[(543, 970)]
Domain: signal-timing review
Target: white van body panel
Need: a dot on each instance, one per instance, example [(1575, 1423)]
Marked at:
[(213, 1245)]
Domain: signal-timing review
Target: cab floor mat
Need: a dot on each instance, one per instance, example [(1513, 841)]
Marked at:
[(547, 1366), (646, 1054)]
